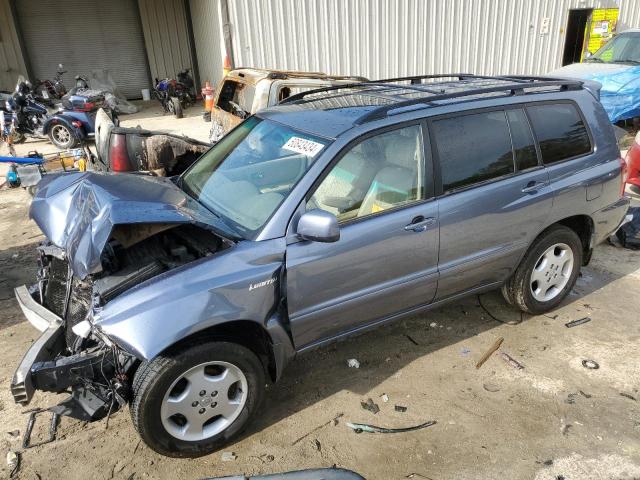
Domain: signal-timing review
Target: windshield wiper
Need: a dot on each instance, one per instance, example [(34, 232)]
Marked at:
[(628, 60), (594, 59)]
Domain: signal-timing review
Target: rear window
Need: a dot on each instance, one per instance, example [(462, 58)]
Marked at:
[(560, 130), (473, 148), (236, 97)]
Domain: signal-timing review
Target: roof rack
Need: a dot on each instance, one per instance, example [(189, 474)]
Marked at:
[(513, 85)]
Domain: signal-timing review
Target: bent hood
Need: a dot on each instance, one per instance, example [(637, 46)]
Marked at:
[(620, 94), (78, 211)]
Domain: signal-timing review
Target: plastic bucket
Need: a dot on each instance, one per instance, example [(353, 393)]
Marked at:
[(146, 95)]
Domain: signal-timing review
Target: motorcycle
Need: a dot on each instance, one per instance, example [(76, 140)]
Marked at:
[(47, 91), (75, 121), (26, 114), (175, 95)]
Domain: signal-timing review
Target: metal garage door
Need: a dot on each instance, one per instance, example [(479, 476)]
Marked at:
[(85, 35)]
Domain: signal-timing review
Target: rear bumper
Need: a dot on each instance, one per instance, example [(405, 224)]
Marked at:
[(47, 347), (607, 220)]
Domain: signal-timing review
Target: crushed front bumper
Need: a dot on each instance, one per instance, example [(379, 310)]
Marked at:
[(47, 347)]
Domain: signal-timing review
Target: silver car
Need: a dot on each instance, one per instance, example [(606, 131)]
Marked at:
[(340, 210)]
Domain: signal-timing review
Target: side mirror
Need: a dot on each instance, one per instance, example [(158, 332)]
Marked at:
[(318, 226), (587, 54)]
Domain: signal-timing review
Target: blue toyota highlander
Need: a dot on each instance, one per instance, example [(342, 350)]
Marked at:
[(340, 210)]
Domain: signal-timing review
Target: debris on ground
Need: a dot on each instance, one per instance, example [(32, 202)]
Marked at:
[(53, 427), (575, 323), (402, 409), (334, 420), (228, 456), (489, 352), (318, 445), (571, 398), (511, 361), (384, 397), (363, 427), (13, 433), (433, 324), (629, 396), (585, 395), (13, 462), (565, 429), (411, 339), (370, 405), (465, 351), (491, 387), (590, 364), (353, 363)]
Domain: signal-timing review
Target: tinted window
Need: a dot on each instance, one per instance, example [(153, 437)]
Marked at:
[(560, 130), (379, 173), (523, 145), (236, 97), (473, 148)]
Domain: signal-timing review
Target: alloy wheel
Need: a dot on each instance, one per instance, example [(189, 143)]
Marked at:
[(204, 401), (552, 272)]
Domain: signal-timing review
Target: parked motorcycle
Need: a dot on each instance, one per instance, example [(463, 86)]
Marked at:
[(26, 114), (47, 91), (175, 95)]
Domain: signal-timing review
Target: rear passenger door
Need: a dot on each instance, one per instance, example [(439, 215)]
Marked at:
[(495, 195)]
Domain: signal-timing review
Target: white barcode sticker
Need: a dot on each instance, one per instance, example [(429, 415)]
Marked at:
[(303, 146)]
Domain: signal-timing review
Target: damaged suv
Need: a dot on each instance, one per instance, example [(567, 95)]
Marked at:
[(340, 210)]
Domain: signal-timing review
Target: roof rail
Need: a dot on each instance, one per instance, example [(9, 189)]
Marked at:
[(514, 85)]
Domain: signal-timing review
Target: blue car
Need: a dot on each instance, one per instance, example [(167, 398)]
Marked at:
[(617, 67), (336, 211)]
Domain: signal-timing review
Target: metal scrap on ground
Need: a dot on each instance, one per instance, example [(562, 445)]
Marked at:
[(511, 361), (363, 427), (575, 323)]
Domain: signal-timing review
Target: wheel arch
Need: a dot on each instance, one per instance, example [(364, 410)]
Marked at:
[(583, 226), (247, 333)]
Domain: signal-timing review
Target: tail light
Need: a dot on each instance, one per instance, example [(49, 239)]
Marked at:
[(87, 107), (118, 154)]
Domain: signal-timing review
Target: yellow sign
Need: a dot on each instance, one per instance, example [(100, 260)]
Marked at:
[(600, 28)]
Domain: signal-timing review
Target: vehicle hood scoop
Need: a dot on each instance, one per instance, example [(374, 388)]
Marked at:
[(78, 211)]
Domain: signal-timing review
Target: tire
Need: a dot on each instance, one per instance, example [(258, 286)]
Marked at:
[(17, 137), (556, 256), (160, 387), (177, 107), (62, 136)]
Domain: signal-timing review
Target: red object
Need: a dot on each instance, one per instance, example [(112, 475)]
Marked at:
[(76, 123), (118, 154), (633, 162)]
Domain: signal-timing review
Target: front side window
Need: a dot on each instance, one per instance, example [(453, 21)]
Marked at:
[(560, 131), (246, 176), (473, 148), (379, 173)]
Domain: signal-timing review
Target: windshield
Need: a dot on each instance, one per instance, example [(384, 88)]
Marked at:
[(246, 176), (623, 48)]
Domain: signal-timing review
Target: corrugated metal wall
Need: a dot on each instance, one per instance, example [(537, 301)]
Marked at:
[(166, 37), (385, 38), (11, 61), (205, 18)]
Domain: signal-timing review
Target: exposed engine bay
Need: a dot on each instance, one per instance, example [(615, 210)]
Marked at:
[(97, 372)]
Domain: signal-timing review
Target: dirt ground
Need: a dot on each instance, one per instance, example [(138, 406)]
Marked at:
[(553, 420)]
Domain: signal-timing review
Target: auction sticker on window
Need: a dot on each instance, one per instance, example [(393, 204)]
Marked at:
[(303, 146)]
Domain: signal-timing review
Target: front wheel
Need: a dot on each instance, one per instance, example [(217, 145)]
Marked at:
[(177, 107), (547, 273), (62, 136), (193, 401)]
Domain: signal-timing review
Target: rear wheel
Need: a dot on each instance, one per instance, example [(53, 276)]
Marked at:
[(62, 136), (177, 107), (547, 273), (193, 401)]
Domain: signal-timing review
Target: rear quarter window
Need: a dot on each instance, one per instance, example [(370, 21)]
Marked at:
[(473, 148), (560, 131)]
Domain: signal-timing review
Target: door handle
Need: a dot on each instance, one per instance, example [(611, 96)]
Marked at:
[(534, 186), (420, 224)]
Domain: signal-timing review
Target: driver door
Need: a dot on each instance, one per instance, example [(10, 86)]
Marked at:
[(385, 261)]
